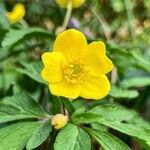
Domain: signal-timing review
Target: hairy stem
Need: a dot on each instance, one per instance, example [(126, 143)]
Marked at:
[(68, 14)]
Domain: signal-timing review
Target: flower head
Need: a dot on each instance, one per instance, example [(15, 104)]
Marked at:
[(76, 68), (59, 121), (16, 14), (75, 3)]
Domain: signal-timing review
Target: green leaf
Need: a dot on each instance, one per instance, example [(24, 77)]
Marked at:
[(148, 143), (10, 75), (142, 61), (121, 58), (23, 34), (118, 118), (113, 112), (15, 136), (4, 53), (108, 141), (123, 120), (108, 111), (67, 104), (72, 138), (135, 82), (33, 70), (132, 129), (79, 105), (118, 92), (39, 136), (20, 106), (85, 118), (98, 126), (4, 24)]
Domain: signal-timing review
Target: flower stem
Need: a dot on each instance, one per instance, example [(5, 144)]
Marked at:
[(24, 23), (68, 14), (128, 8), (62, 106), (114, 75)]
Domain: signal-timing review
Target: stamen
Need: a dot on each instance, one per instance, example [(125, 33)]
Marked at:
[(75, 71)]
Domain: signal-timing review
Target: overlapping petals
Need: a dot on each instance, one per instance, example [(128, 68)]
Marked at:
[(76, 68)]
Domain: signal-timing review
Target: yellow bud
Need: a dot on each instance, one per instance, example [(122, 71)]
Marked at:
[(75, 3), (16, 14), (59, 121)]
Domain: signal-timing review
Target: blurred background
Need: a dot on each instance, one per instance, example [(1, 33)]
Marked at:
[(124, 25)]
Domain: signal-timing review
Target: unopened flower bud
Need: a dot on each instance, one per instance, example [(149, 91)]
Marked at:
[(75, 3), (59, 121), (16, 14)]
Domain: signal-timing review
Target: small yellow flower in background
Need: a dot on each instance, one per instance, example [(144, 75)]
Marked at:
[(75, 3), (16, 14), (76, 68), (59, 121)]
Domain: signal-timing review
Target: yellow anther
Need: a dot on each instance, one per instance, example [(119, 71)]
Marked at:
[(75, 71), (71, 66)]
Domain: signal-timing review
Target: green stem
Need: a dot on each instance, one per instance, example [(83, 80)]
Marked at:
[(128, 8), (24, 23), (62, 106), (68, 14)]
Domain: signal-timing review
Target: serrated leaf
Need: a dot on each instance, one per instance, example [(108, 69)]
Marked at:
[(20, 106), (72, 138), (108, 111), (33, 70), (131, 129), (119, 92), (39, 136), (123, 120), (15, 136), (22, 34), (113, 112), (135, 82), (108, 141)]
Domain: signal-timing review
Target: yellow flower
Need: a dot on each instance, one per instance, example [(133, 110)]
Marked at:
[(59, 121), (17, 13), (76, 68), (75, 3)]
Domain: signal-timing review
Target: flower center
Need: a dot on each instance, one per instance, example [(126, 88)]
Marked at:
[(75, 71)]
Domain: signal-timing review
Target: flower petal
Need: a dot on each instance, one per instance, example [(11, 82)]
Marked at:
[(96, 58), (53, 63), (71, 43), (65, 89), (76, 3), (95, 87), (17, 13)]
